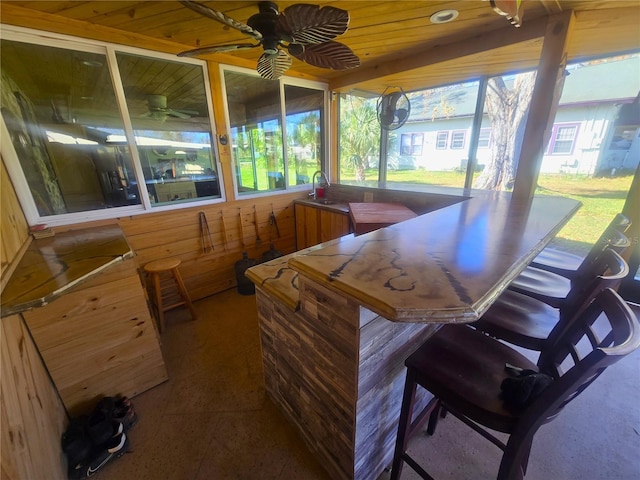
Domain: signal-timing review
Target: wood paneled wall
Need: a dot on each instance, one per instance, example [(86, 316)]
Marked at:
[(33, 418), (207, 270)]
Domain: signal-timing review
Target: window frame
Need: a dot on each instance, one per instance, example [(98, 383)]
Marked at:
[(453, 139), (109, 50), (413, 146), (553, 138), (282, 81), (439, 134), (488, 139)]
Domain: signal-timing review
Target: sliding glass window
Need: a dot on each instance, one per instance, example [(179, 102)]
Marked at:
[(95, 131), (260, 111)]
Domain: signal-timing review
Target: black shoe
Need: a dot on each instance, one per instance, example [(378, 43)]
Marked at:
[(76, 443), (115, 447), (119, 409)]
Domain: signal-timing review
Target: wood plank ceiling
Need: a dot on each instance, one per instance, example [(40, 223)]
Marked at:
[(395, 41)]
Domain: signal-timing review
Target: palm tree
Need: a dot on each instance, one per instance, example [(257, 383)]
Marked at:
[(359, 133)]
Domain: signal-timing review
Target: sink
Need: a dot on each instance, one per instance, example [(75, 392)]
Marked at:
[(323, 201)]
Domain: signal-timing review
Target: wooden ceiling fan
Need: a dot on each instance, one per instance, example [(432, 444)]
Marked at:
[(303, 31)]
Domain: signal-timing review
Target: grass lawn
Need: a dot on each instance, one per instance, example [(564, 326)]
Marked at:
[(601, 199)]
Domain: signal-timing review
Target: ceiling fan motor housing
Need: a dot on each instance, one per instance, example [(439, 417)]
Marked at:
[(265, 23)]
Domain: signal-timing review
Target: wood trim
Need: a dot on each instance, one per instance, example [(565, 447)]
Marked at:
[(224, 151), (470, 46), (550, 78)]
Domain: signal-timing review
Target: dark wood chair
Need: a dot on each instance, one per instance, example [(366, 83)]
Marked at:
[(567, 264), (464, 369), (553, 288), (527, 322)]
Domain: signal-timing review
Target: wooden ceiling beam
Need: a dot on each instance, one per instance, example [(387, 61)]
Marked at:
[(429, 55)]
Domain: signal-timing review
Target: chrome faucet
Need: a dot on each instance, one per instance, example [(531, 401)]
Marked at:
[(313, 183)]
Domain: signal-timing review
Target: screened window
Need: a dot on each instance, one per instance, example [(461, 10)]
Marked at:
[(305, 120), (70, 135), (563, 139), (441, 140), (458, 140), (359, 139), (171, 128), (262, 161), (411, 143)]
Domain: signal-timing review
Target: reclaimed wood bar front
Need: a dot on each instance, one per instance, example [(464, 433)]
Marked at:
[(338, 320)]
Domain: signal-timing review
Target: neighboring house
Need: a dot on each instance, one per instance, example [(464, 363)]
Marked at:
[(596, 129)]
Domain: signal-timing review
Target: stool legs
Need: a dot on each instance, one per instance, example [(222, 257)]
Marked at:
[(407, 425), (155, 272), (158, 300), (184, 293)]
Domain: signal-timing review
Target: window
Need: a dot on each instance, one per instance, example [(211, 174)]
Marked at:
[(563, 138), (305, 120), (422, 146), (359, 139), (80, 150), (458, 140), (171, 128), (441, 140), (411, 143), (257, 126), (484, 139)]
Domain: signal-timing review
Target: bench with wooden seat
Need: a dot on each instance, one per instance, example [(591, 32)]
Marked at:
[(155, 270)]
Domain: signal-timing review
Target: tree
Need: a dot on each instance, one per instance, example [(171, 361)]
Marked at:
[(305, 135), (359, 134), (507, 109)]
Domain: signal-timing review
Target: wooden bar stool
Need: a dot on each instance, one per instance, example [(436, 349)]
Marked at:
[(155, 269)]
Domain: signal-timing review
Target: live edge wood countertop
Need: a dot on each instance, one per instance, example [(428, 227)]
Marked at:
[(52, 265), (448, 265)]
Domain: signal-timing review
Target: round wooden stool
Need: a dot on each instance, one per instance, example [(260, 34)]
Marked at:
[(155, 269)]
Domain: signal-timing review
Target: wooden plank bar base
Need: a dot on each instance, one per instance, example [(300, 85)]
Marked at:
[(336, 371)]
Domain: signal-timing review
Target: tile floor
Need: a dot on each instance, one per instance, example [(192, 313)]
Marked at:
[(213, 421)]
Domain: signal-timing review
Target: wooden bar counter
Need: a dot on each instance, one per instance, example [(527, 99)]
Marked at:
[(337, 321)]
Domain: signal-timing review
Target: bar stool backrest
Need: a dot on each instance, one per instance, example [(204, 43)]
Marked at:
[(612, 237), (604, 333), (575, 356), (608, 271)]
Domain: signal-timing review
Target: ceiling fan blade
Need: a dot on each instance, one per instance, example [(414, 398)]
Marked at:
[(308, 24), (177, 114), (222, 18), (217, 49), (273, 66), (402, 114), (333, 55)]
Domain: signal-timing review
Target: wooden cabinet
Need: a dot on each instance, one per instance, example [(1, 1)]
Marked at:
[(316, 225), (98, 338)]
